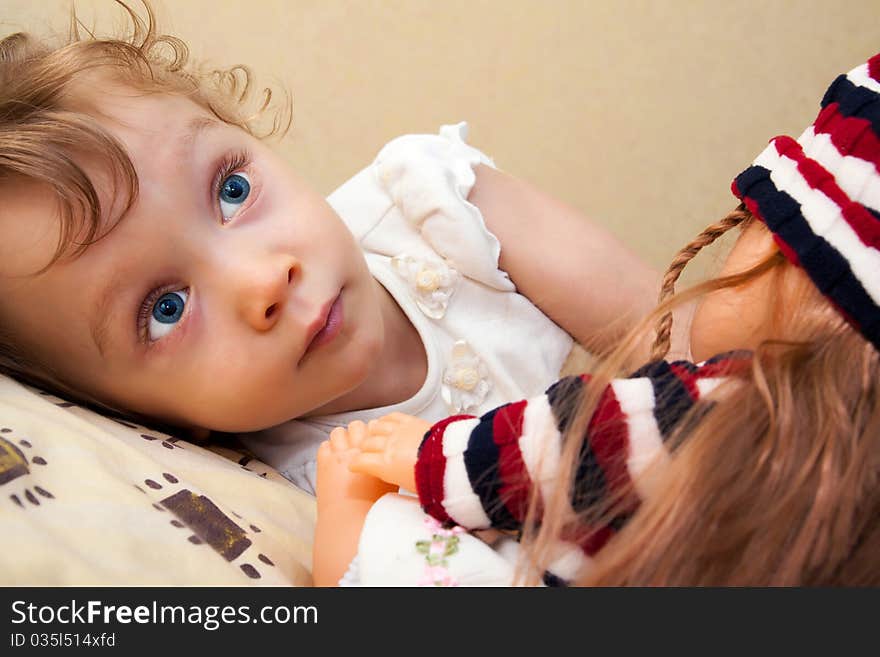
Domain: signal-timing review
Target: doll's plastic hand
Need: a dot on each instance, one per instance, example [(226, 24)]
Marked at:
[(390, 449), (336, 482)]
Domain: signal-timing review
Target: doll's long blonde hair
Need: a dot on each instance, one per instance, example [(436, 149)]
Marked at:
[(772, 482)]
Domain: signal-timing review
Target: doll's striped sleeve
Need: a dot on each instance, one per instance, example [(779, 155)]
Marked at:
[(477, 472)]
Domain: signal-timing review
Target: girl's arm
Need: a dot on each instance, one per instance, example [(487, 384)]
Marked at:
[(578, 273)]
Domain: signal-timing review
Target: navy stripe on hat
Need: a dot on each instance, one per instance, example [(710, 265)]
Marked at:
[(854, 101)]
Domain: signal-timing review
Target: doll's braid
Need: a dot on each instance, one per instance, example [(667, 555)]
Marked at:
[(664, 325)]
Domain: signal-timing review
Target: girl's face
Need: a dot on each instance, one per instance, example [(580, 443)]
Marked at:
[(737, 317), (230, 297)]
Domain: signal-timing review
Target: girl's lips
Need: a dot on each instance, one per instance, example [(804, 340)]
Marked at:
[(331, 326)]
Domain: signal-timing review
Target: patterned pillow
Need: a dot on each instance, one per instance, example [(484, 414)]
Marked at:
[(89, 500)]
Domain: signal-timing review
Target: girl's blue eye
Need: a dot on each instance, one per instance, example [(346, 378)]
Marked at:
[(234, 191), (166, 312)]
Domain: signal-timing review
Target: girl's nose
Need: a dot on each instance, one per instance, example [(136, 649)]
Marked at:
[(263, 291)]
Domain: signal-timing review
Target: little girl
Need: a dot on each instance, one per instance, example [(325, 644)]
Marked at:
[(758, 465), (156, 259)]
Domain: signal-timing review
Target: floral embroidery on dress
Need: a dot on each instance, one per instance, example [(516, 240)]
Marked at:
[(466, 379), (431, 282), (442, 544)]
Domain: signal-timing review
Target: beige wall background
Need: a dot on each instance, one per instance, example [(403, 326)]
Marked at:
[(638, 112)]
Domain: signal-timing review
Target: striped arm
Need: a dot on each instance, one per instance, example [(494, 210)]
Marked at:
[(478, 472)]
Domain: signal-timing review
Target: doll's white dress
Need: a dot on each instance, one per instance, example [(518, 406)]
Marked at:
[(401, 545), (430, 248)]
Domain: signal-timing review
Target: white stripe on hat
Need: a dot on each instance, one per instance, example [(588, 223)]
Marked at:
[(858, 178), (825, 219), (859, 76)]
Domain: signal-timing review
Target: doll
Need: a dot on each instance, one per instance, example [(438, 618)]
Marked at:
[(755, 464)]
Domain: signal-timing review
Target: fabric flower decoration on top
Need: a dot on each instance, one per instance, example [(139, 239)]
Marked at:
[(466, 379), (432, 282)]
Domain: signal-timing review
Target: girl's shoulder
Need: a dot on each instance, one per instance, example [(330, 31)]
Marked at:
[(414, 196), (425, 153)]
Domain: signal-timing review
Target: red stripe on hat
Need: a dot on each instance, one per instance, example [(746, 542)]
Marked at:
[(850, 135), (431, 468), (515, 483), (608, 434), (787, 251), (862, 222), (874, 67)]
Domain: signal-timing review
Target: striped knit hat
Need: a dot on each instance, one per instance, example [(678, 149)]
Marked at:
[(820, 196)]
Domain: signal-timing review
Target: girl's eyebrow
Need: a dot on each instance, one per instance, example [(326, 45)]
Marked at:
[(193, 129)]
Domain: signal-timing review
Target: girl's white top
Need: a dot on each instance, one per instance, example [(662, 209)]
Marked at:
[(486, 344)]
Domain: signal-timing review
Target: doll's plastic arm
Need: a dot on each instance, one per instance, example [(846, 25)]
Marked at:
[(337, 533), (343, 500), (391, 448)]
